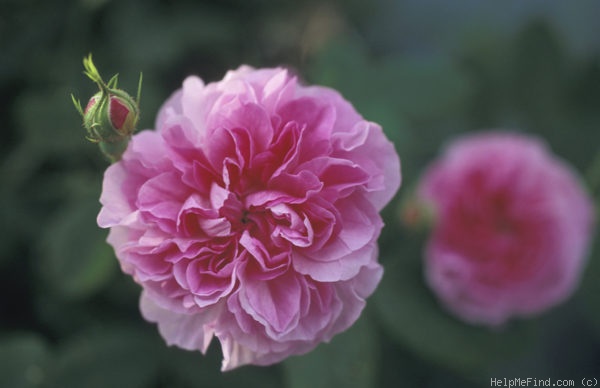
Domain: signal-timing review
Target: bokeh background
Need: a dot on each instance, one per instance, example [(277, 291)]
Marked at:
[(427, 70)]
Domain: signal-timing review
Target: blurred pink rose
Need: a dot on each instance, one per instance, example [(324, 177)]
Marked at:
[(512, 227), (251, 214)]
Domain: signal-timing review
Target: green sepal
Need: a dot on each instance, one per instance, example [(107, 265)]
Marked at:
[(77, 104), (112, 83)]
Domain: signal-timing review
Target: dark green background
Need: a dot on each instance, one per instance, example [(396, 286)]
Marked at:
[(426, 70)]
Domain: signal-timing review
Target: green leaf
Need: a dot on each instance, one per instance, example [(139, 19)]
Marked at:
[(414, 318), (349, 361), (108, 357), (75, 259), (23, 358)]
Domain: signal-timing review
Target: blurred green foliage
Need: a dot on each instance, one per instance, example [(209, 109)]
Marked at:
[(425, 70)]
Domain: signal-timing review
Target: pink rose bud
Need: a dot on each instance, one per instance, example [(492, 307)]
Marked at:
[(112, 120), (511, 231), (111, 115)]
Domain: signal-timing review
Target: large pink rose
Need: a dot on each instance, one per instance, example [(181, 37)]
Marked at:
[(251, 214), (512, 227)]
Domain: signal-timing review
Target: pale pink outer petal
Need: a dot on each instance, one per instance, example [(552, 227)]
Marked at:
[(234, 354), (170, 108), (383, 155), (115, 204), (188, 331)]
